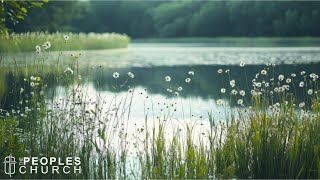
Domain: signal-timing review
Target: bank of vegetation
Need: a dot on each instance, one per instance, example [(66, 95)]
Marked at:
[(27, 42)]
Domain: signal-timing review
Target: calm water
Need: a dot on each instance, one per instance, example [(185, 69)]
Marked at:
[(150, 63)]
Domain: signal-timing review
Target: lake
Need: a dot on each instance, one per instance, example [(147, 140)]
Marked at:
[(150, 63)]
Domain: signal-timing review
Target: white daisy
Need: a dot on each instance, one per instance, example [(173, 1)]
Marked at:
[(66, 37), (281, 89), (287, 87), (115, 75), (232, 83), (46, 45), (281, 77), (167, 78), (264, 72), (68, 70), (302, 104), (130, 74), (242, 93), (234, 92), (191, 73), (32, 78), (288, 80), (258, 84), (301, 84), (219, 102), (38, 48)]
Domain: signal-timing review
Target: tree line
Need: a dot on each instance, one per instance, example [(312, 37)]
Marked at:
[(177, 18)]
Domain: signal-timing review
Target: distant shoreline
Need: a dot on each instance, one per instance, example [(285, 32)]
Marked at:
[(239, 41)]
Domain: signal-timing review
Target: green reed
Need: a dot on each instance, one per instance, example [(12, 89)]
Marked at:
[(26, 42)]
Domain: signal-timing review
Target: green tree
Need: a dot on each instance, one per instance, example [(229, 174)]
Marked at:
[(177, 18), (55, 16), (12, 12), (210, 20), (171, 19)]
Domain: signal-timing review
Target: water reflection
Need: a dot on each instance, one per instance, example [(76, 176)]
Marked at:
[(205, 84), (149, 82)]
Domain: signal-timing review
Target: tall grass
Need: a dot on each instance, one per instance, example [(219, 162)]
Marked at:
[(269, 135), (26, 42)]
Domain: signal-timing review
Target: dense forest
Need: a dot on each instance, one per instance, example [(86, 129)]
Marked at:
[(177, 18)]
